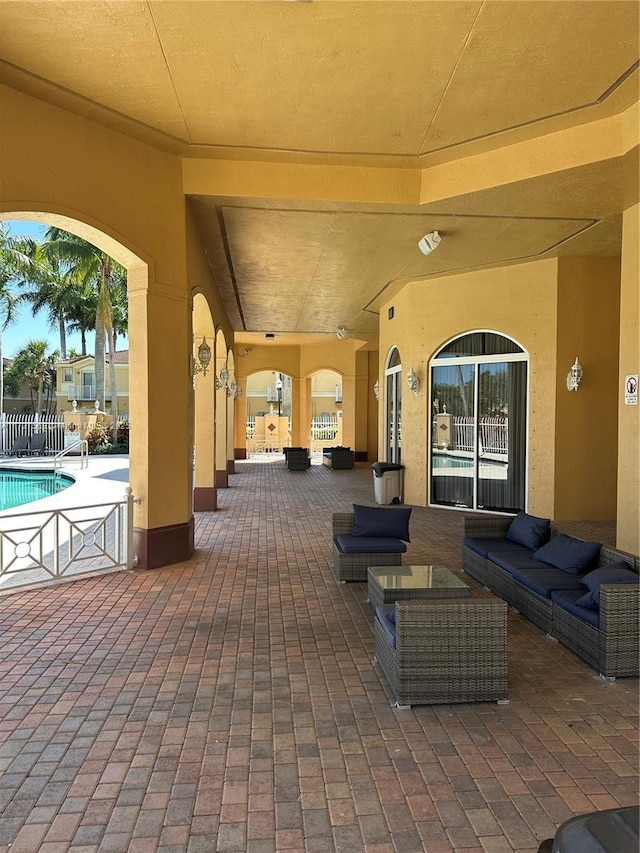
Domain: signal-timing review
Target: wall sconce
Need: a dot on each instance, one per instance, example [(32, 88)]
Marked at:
[(202, 362), (376, 389), (412, 381), (221, 381), (574, 376), (234, 390)]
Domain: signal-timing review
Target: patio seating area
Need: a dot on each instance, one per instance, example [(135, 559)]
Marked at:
[(231, 704)]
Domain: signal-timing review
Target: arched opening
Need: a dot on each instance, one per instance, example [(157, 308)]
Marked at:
[(158, 370), (325, 428), (269, 409), (478, 423), (393, 407)]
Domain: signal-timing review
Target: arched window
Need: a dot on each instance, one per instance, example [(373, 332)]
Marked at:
[(393, 407), (478, 423)]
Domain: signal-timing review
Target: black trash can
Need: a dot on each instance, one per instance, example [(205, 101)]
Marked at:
[(387, 482)]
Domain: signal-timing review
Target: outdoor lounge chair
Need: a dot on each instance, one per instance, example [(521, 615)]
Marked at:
[(447, 651), (37, 444), (20, 446)]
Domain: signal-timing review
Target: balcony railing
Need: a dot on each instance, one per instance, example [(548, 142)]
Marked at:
[(81, 393)]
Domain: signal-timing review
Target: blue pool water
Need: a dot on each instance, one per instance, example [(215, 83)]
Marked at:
[(23, 487)]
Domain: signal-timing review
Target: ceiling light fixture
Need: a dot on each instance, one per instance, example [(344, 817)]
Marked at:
[(341, 333), (429, 242)]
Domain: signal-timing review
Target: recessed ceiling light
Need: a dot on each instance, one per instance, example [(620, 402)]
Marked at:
[(269, 336)]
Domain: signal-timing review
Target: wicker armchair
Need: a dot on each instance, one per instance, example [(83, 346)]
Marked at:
[(446, 651), (297, 458), (353, 567)]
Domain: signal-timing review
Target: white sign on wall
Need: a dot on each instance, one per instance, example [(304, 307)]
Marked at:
[(631, 390)]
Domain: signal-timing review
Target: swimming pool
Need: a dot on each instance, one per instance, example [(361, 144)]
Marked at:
[(19, 487)]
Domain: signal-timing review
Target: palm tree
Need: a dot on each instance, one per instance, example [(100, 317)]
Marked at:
[(34, 365), (11, 258), (91, 265), (82, 314), (50, 283)]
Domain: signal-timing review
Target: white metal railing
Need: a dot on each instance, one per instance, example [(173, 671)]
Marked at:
[(80, 448), (12, 426), (85, 392), (493, 434), (324, 428), (69, 543)]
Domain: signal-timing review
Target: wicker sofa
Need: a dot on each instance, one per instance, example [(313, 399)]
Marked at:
[(606, 637), (442, 650)]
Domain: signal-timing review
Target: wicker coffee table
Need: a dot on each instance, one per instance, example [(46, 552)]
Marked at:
[(386, 584)]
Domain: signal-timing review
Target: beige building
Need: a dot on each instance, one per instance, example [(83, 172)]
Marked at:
[(266, 172), (76, 380)]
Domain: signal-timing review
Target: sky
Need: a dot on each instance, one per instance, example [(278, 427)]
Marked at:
[(30, 327)]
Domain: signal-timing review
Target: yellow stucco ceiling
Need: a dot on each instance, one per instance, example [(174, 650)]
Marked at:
[(400, 85)]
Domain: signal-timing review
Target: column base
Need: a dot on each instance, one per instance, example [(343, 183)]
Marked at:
[(222, 480), (231, 466), (162, 546), (205, 499)]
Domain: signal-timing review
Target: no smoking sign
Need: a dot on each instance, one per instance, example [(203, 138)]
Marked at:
[(631, 389)]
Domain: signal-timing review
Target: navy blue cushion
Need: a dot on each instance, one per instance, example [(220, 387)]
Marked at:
[(349, 544), (382, 521), (568, 554), (529, 530), (569, 600), (544, 580), (388, 624), (484, 546), (614, 573), (512, 561)]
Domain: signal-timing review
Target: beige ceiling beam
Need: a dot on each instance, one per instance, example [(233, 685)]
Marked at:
[(298, 181), (595, 142)]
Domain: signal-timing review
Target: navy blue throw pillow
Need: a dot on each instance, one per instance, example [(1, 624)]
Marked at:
[(529, 530), (570, 555), (381, 521), (614, 573)]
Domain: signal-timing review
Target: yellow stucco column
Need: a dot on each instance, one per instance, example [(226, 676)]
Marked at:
[(300, 411), (204, 492), (222, 401), (161, 420), (240, 422)]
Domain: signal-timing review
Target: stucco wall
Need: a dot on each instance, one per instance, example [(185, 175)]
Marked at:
[(127, 199), (586, 437), (628, 527), (518, 301)]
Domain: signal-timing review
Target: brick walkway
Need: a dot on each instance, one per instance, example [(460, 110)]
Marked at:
[(230, 704)]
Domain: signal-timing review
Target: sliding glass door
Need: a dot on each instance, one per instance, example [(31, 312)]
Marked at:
[(478, 429)]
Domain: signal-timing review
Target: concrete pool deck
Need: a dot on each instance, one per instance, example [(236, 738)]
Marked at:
[(81, 530), (104, 479)]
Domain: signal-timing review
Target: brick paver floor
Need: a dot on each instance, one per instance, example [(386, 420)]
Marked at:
[(230, 705)]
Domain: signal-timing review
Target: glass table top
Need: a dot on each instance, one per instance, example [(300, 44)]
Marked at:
[(416, 577)]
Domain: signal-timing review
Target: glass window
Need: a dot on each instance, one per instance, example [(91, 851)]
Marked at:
[(393, 404)]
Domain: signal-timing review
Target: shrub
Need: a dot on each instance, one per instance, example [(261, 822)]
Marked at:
[(101, 439)]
